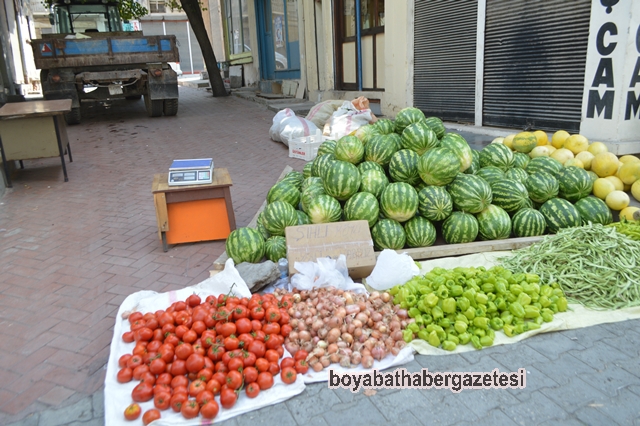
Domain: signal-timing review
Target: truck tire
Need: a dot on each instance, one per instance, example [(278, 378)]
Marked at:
[(170, 107), (154, 107), (73, 117)]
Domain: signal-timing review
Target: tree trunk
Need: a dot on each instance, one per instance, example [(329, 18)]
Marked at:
[(194, 14)]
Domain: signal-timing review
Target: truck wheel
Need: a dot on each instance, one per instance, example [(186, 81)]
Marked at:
[(73, 117), (170, 107), (154, 107)]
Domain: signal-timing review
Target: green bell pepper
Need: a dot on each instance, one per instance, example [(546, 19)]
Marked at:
[(433, 339), (524, 299), (501, 304), (470, 294), (456, 290), (562, 304), (547, 315), (470, 313), (531, 312), (463, 303), (460, 326), (488, 287), (407, 335), (445, 323), (414, 312), (475, 341), (423, 334), (449, 346), (449, 305), (415, 328), (509, 330), (506, 317), (452, 338), (486, 341), (516, 289), (481, 299), (496, 323), (464, 338), (491, 307), (481, 322), (436, 313), (516, 309), (430, 300)]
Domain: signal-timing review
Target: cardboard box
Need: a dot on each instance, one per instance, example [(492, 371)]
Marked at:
[(306, 243)]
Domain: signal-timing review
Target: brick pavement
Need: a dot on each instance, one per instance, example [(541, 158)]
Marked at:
[(71, 252)]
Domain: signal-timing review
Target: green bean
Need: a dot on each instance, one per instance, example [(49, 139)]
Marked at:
[(594, 265)]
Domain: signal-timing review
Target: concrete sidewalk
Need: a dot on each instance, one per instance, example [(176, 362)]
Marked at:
[(71, 252)]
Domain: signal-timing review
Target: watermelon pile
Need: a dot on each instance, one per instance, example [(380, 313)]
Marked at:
[(412, 181)]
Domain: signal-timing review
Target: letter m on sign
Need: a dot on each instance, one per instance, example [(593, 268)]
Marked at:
[(600, 104), (633, 103)]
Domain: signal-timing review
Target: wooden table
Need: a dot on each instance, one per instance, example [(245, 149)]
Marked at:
[(192, 213), (30, 130)]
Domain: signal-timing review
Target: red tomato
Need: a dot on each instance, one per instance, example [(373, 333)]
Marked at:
[(208, 338), (125, 375), (240, 312), (139, 371), (257, 313), (193, 300), (220, 377), (226, 329), (132, 412), (128, 337), (287, 362), (204, 397), (123, 360), (177, 400), (256, 325), (274, 368), (195, 363), (154, 345), (285, 330), (288, 375), (162, 400), (262, 365), (190, 409), (250, 374), (148, 378), (235, 364), (179, 306), (252, 390), (183, 351), (248, 358), (258, 348), (172, 339), (166, 352), (180, 330), (301, 366), (271, 355), (135, 316), (213, 386), (178, 368), (143, 392), (179, 381), (205, 374), (196, 387), (271, 328), (273, 314), (150, 416), (301, 355), (243, 325), (143, 333), (152, 323), (160, 388), (228, 398), (265, 380), (215, 353), (190, 336), (284, 317), (134, 361), (245, 339), (234, 379), (231, 343), (210, 409), (157, 366)]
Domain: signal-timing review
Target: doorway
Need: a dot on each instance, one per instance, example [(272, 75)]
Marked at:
[(279, 41)]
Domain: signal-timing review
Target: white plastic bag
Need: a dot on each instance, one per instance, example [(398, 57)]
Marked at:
[(296, 127), (326, 272), (392, 269), (274, 131), (321, 113), (348, 119), (227, 281)]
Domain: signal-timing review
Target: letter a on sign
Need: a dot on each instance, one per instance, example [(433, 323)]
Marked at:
[(46, 48)]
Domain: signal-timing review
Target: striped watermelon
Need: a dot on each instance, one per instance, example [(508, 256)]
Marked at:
[(312, 180), (309, 194), (385, 126), (436, 125), (517, 174), (362, 206), (403, 167), (419, 137), (510, 195), (321, 163), (460, 147), (494, 223), (593, 175), (324, 209), (438, 166), (399, 201), (374, 182), (396, 139), (277, 216), (528, 222), (303, 219), (498, 155), (470, 193), (594, 210), (459, 228), (349, 149), (420, 232), (262, 230), (327, 147), (306, 170), (295, 178), (369, 165), (544, 164), (380, 149), (284, 191), (490, 174), (275, 248), (341, 180), (366, 132), (524, 142), (574, 183), (560, 213), (406, 117), (245, 245), (388, 234), (475, 163), (520, 160), (434, 203), (542, 186)]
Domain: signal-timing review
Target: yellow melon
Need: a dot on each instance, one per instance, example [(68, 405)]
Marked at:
[(562, 155), (635, 190), (524, 142), (586, 157), (540, 151), (617, 200), (498, 140), (605, 164), (629, 172), (594, 177), (558, 138), (616, 182), (628, 212), (508, 141), (542, 137), (629, 159), (603, 187), (574, 162), (552, 149), (597, 147), (576, 143)]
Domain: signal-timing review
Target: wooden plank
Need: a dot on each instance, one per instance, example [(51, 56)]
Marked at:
[(34, 109), (162, 215), (218, 264)]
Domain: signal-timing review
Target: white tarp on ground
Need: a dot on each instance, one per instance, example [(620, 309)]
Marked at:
[(576, 317)]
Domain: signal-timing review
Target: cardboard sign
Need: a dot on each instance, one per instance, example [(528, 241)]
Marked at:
[(306, 243)]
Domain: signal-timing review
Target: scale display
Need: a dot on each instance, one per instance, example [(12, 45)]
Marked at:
[(191, 172)]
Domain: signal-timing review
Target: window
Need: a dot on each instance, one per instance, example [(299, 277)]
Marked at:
[(157, 6), (238, 36)]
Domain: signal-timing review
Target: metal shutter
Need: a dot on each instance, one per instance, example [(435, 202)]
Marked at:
[(179, 29), (445, 58), (534, 63)]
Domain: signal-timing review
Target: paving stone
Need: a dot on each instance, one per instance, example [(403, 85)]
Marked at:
[(473, 356), (600, 355), (564, 368), (483, 401), (624, 408), (536, 380), (80, 411), (609, 380), (442, 363), (531, 411), (495, 417), (592, 416), (574, 395), (92, 422), (565, 422), (361, 411), (520, 356), (97, 402), (393, 405), (30, 420), (552, 345), (587, 336), (448, 412), (315, 400), (623, 344), (273, 415)]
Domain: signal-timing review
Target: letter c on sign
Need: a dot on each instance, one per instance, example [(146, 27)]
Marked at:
[(638, 39), (607, 27)]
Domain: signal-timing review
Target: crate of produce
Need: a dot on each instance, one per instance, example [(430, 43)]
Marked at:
[(306, 148)]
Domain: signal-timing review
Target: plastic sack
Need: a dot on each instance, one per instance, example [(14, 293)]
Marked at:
[(321, 113), (296, 127), (392, 269), (274, 131), (361, 103), (347, 119), (226, 281), (326, 272)]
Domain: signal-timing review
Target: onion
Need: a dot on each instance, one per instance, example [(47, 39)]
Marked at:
[(291, 311), (291, 347), (395, 351), (367, 361), (357, 323), (348, 338), (362, 317), (293, 335), (382, 329), (297, 314), (348, 298), (378, 352), (334, 322), (396, 335), (365, 352), (401, 344), (332, 348), (315, 340), (317, 367), (333, 335), (306, 346), (296, 298), (305, 336), (293, 322), (344, 328), (317, 325), (322, 333), (376, 334), (325, 361), (385, 297), (351, 328), (374, 295), (394, 325), (352, 309), (357, 332), (322, 344), (341, 344), (309, 321), (345, 362), (402, 313), (363, 337), (340, 312), (334, 358), (362, 305), (356, 358), (376, 316)]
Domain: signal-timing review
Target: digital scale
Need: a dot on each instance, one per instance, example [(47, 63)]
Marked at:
[(191, 172)]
